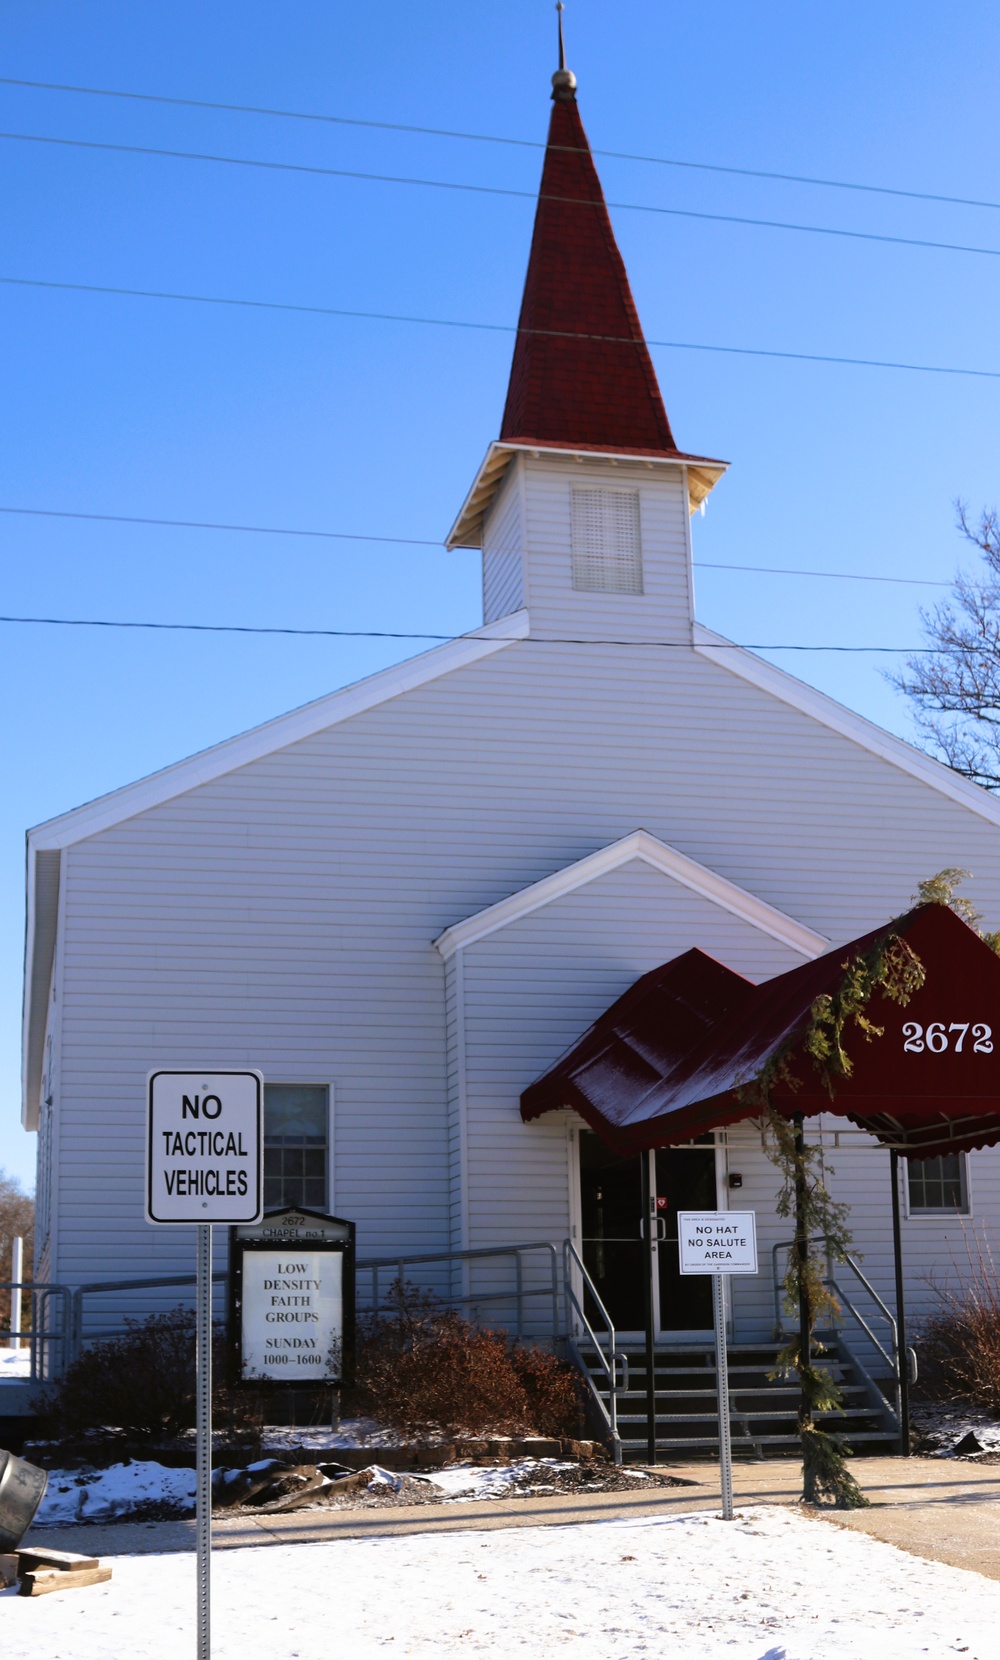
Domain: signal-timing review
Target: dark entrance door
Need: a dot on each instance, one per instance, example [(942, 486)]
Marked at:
[(611, 1212), (685, 1180)]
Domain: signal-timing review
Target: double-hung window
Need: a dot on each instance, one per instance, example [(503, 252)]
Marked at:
[(938, 1186), (296, 1146)]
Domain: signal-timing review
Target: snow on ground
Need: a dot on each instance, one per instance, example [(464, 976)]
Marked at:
[(772, 1585), (15, 1363), (947, 1424), (494, 1481), (99, 1495), (93, 1495), (350, 1432)]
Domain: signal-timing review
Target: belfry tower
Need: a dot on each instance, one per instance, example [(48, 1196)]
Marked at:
[(581, 506)]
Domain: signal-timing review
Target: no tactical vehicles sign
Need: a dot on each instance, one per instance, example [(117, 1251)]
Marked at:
[(717, 1241), (203, 1147)]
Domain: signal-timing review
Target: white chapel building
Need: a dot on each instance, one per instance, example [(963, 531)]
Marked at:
[(409, 897)]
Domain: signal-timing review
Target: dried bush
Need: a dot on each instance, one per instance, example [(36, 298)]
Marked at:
[(142, 1383), (421, 1369), (959, 1344)]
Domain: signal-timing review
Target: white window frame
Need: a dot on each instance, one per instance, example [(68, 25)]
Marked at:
[(935, 1213)]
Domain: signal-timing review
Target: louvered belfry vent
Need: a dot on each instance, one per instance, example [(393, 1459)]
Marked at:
[(607, 546)]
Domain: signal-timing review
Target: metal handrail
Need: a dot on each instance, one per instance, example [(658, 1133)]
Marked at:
[(830, 1280), (40, 1337), (374, 1266), (95, 1287), (610, 1362)]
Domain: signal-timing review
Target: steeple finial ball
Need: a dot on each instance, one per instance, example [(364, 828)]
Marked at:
[(564, 80)]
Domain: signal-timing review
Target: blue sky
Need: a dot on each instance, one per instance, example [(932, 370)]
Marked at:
[(174, 410)]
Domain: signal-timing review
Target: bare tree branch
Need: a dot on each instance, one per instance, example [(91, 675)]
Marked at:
[(955, 686)]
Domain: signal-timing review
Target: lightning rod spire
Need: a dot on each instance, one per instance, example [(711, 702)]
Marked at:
[(563, 81)]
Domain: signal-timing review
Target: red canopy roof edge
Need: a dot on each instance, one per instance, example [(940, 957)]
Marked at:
[(584, 392), (921, 1095)]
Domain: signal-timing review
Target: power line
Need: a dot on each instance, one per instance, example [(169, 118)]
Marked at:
[(492, 138), (840, 576), (500, 190), (493, 328), (199, 524), (421, 542), (392, 634)]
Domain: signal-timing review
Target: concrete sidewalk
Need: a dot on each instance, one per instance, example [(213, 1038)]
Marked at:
[(939, 1508)]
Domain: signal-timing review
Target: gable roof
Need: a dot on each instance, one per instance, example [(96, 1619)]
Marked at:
[(46, 840), (664, 858), (272, 735), (828, 712)]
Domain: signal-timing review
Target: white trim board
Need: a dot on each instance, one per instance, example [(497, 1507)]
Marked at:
[(209, 764), (828, 712), (669, 862)]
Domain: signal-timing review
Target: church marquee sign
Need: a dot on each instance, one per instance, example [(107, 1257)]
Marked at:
[(292, 1294)]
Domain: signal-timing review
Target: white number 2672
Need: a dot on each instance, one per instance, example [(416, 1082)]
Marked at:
[(938, 1037)]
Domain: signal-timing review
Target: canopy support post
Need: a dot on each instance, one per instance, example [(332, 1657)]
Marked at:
[(902, 1354), (648, 1233), (805, 1311)]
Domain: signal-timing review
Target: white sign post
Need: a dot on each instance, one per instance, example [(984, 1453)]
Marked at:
[(204, 1134), (719, 1242)]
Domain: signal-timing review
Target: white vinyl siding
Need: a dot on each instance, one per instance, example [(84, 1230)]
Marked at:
[(607, 544), (661, 609), (283, 915), (503, 584)]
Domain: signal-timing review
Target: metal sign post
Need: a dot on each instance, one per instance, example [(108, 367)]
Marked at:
[(204, 1135), (722, 1392), (203, 1434), (719, 1242)]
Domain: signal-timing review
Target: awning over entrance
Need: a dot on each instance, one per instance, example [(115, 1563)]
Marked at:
[(667, 1061)]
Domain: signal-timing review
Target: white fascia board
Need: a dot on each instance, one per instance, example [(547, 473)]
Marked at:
[(466, 532), (209, 764), (29, 1012), (669, 862), (830, 713)]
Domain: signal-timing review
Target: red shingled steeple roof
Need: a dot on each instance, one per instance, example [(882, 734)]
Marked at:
[(582, 376)]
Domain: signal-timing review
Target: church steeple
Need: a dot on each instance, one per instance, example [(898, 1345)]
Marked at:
[(582, 376), (582, 384)]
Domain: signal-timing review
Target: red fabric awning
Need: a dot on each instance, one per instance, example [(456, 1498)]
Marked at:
[(667, 1061)]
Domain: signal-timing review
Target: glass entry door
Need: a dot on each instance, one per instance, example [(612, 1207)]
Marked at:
[(611, 1212), (685, 1180), (682, 1178)]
